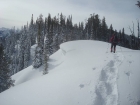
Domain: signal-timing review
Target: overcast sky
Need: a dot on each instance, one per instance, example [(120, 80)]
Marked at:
[(119, 13)]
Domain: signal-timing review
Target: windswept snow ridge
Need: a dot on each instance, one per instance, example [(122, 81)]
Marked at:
[(107, 89)]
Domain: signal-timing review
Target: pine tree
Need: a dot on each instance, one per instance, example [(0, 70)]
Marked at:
[(96, 25), (38, 57), (50, 41), (38, 60), (120, 37), (92, 36), (5, 79), (32, 32), (27, 46), (55, 42), (86, 31), (104, 29), (123, 37), (21, 49), (45, 58), (111, 31)]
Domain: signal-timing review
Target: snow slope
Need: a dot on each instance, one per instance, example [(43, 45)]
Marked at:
[(80, 73)]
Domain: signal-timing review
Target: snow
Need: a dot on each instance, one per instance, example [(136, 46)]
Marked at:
[(80, 73)]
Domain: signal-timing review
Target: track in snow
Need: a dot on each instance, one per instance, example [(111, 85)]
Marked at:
[(106, 92)]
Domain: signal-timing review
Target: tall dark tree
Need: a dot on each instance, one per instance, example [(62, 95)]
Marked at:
[(5, 79), (32, 32), (111, 29), (104, 29), (38, 60), (27, 48), (97, 26), (22, 49), (45, 53), (123, 37)]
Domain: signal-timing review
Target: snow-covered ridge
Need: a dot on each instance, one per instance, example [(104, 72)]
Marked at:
[(80, 73)]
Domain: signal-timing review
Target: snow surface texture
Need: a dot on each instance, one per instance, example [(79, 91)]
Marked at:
[(80, 73)]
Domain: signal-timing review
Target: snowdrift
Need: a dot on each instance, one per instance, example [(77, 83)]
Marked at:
[(80, 73)]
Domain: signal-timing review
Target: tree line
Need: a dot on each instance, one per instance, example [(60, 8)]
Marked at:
[(48, 33)]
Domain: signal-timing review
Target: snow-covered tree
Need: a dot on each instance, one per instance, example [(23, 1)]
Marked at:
[(22, 49), (50, 41), (39, 49), (27, 46), (5, 79), (32, 32), (55, 42), (38, 57), (45, 58)]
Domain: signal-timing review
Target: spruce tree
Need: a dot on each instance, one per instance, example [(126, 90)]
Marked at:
[(104, 29), (5, 79), (123, 37), (38, 60), (110, 33), (27, 46), (50, 41), (22, 49), (32, 32), (45, 58)]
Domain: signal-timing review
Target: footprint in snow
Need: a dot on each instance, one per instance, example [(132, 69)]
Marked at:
[(94, 68), (111, 63), (81, 85), (129, 62), (128, 73)]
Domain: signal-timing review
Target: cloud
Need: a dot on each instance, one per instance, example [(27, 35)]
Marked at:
[(119, 13)]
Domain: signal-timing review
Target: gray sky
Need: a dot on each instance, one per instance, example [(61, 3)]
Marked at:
[(119, 13)]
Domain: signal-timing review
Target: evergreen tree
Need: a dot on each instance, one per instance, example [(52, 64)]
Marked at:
[(81, 28), (45, 58), (104, 30), (92, 36), (86, 31), (120, 37), (55, 42), (5, 79), (50, 41), (39, 49), (96, 26), (32, 33), (21, 49), (123, 37), (27, 47), (38, 57), (111, 30)]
